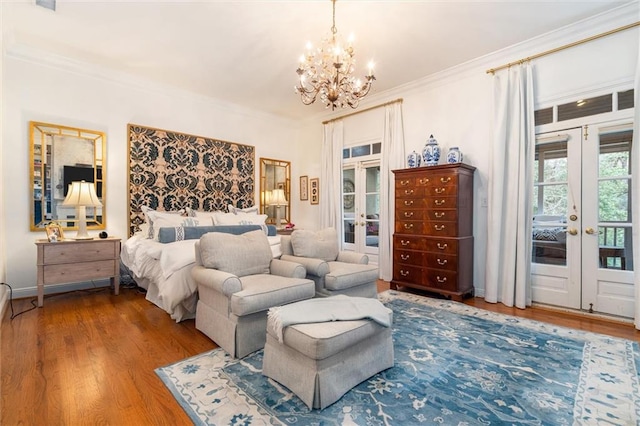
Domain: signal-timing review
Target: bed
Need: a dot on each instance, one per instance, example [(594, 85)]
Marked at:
[(183, 181), (164, 270)]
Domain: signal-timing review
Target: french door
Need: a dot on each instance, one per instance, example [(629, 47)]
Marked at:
[(361, 207), (581, 237)]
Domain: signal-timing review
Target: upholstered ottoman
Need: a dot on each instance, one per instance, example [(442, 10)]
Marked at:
[(321, 361)]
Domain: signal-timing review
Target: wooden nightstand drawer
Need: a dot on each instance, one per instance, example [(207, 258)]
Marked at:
[(87, 252), (74, 272)]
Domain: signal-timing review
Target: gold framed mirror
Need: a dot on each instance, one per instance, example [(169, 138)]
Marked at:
[(60, 155), (275, 191)]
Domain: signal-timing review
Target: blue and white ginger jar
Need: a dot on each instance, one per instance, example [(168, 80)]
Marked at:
[(414, 160), (431, 152), (454, 155)]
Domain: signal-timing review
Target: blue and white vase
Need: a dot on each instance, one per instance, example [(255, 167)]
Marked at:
[(431, 152), (454, 155), (414, 160)]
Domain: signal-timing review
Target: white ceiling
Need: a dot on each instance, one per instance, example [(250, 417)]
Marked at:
[(246, 51)]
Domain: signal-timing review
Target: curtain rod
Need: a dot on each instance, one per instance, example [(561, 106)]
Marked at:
[(566, 46), (362, 110)]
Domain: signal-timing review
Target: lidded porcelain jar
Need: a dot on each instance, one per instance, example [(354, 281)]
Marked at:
[(431, 152), (414, 160), (454, 155)]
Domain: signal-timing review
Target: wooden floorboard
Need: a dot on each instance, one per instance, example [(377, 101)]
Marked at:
[(89, 357)]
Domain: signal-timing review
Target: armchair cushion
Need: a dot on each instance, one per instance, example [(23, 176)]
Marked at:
[(346, 275), (240, 255), (321, 244), (261, 292)]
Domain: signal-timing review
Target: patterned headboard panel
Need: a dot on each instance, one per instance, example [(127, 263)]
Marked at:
[(170, 171)]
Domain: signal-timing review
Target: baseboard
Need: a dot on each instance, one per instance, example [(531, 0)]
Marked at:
[(23, 293)]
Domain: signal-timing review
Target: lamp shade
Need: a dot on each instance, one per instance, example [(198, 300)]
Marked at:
[(277, 198), (82, 194)]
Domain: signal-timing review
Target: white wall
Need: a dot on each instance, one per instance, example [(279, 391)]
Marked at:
[(72, 96), (456, 106)]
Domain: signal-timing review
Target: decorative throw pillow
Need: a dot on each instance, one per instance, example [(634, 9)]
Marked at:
[(239, 219), (241, 255), (180, 233), (322, 244), (207, 217), (153, 215), (248, 210)]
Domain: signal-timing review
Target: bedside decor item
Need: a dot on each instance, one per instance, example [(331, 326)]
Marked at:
[(54, 232), (454, 155), (315, 190), (304, 188), (431, 152), (414, 159), (328, 71), (103, 235), (278, 200), (82, 195)]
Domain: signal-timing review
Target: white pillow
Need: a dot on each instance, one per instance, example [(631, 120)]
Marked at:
[(204, 216), (248, 210), (150, 215), (170, 221), (239, 219)]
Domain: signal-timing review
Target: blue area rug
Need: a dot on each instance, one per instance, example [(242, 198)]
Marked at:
[(454, 365)]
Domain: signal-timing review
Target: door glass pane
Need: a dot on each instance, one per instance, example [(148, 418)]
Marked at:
[(372, 201), (550, 204), (348, 204), (614, 201)]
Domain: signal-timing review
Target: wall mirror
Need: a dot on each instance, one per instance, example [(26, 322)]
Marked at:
[(275, 191), (60, 155)]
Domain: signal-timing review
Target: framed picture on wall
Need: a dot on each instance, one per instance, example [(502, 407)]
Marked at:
[(315, 190), (304, 188)]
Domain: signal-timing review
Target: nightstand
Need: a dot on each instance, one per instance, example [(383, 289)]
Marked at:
[(284, 231), (71, 261)]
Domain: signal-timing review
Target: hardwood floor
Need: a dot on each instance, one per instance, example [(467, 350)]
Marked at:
[(89, 357)]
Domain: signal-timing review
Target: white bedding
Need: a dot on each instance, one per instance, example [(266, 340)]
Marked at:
[(164, 270)]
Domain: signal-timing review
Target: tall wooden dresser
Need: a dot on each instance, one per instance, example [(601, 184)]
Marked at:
[(433, 239)]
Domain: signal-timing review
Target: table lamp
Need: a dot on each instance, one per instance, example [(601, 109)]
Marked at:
[(82, 195), (278, 199)]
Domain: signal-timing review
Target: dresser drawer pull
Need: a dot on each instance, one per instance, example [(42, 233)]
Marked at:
[(439, 227), (408, 214), (405, 243), (404, 273), (405, 256), (442, 262), (408, 226), (442, 246), (439, 214), (445, 180), (441, 280), (440, 190), (405, 182), (439, 202), (423, 181), (408, 191), (408, 202)]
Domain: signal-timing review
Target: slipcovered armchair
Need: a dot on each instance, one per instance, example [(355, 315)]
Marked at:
[(238, 281), (333, 271)]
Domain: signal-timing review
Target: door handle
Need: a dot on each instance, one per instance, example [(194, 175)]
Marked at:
[(572, 231), (589, 231)]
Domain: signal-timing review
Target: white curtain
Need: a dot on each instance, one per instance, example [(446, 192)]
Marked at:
[(510, 186), (392, 159), (635, 191), (331, 176)]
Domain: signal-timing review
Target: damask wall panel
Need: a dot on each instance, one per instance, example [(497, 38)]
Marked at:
[(171, 171)]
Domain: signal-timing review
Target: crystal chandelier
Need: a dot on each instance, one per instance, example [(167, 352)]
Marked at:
[(328, 72)]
